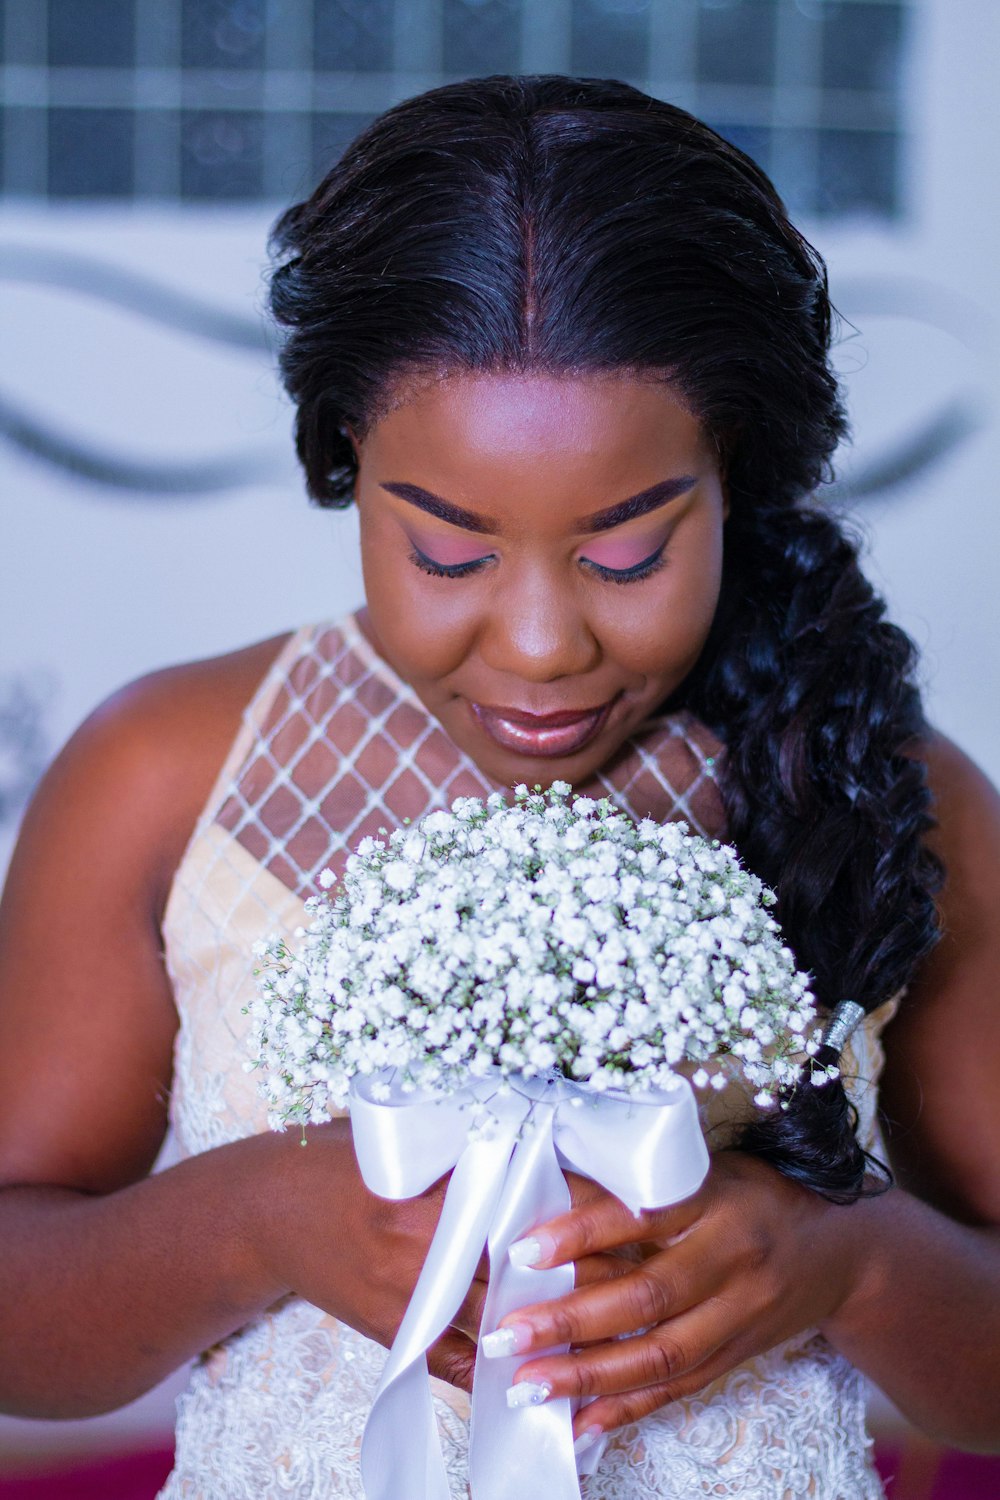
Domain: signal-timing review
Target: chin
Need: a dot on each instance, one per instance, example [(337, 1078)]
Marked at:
[(540, 770)]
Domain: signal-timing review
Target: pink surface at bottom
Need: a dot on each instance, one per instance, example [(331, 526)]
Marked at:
[(919, 1471), (910, 1471), (129, 1476)]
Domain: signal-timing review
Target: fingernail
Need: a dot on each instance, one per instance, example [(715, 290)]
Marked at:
[(529, 1251), (503, 1341), (588, 1437), (528, 1393)]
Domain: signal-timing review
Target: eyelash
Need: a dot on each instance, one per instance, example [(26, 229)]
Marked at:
[(444, 570), (645, 569)]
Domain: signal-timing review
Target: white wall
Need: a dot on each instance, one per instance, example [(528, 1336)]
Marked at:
[(100, 585), (935, 546)]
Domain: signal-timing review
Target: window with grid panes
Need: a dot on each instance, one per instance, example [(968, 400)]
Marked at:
[(244, 100)]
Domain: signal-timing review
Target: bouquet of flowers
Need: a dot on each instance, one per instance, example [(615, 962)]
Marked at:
[(508, 989)]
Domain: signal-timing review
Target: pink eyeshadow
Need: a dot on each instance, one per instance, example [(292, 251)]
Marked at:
[(608, 552), (449, 551)]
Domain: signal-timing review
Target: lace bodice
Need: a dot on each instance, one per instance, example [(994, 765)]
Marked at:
[(333, 747)]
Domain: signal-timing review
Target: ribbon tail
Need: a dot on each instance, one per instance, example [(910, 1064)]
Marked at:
[(527, 1452), (401, 1451), (649, 1152)]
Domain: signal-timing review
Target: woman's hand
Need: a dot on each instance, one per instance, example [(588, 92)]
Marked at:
[(323, 1235), (748, 1261), (331, 1240)]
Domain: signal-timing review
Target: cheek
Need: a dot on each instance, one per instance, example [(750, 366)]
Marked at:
[(424, 625), (661, 628)]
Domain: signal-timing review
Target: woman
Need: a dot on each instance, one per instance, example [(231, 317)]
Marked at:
[(561, 345)]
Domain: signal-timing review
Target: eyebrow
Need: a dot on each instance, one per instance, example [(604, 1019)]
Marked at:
[(598, 520)]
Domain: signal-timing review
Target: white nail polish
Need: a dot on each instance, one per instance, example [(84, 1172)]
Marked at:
[(528, 1393), (588, 1437), (525, 1252), (499, 1344)]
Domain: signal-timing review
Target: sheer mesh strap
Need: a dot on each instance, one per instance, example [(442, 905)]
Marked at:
[(252, 717)]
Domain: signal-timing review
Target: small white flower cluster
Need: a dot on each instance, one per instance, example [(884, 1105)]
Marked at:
[(537, 938)]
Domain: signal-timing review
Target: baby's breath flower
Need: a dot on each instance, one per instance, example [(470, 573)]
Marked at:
[(541, 936)]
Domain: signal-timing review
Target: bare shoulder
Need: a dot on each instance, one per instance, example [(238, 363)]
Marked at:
[(966, 808), (960, 787), (180, 720), (147, 757), (939, 1092), (87, 1019)]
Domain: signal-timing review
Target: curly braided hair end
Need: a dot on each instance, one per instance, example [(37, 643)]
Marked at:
[(812, 690)]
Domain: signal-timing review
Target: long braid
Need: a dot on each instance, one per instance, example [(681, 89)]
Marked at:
[(811, 689)]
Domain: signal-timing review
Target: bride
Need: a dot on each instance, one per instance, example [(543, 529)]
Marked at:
[(559, 343)]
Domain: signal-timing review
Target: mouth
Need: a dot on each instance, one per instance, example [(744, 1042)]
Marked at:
[(542, 736)]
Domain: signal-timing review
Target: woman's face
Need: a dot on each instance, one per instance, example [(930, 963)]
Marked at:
[(542, 558)]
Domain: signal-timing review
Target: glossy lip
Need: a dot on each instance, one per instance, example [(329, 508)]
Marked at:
[(542, 736)]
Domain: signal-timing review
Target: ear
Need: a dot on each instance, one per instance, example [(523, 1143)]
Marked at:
[(723, 466), (348, 432)]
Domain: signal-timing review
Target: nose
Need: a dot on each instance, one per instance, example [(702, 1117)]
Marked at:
[(536, 631)]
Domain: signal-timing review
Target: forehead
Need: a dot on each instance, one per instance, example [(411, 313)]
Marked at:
[(591, 424)]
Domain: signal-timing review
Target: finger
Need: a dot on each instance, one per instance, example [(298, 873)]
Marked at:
[(659, 1357), (514, 1336), (585, 1193), (452, 1357), (593, 1270), (603, 1223), (659, 1288), (469, 1317), (608, 1412)]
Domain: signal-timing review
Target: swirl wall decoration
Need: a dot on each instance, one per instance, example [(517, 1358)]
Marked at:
[(879, 475)]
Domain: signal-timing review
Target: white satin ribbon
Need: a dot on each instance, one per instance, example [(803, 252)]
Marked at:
[(648, 1151)]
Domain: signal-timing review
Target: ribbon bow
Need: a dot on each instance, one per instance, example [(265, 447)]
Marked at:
[(648, 1151)]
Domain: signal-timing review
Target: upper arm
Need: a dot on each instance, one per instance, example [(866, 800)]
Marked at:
[(940, 1092), (87, 1019)]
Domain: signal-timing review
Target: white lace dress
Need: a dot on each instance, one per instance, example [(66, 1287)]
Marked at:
[(332, 747)]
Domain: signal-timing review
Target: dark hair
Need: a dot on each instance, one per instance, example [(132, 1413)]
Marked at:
[(573, 224)]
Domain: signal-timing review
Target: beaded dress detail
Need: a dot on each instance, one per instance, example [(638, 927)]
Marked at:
[(333, 747)]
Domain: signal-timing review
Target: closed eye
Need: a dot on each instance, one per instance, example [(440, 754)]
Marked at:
[(446, 570), (644, 569)]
